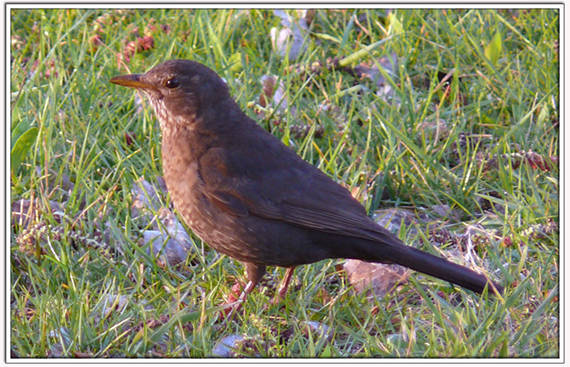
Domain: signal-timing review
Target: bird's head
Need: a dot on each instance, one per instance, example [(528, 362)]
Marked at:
[(180, 91)]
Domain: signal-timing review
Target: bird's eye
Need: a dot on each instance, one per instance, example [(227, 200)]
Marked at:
[(171, 83)]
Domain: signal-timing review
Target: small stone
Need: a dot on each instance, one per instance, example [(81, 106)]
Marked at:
[(225, 348)]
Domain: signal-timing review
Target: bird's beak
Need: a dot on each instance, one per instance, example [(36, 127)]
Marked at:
[(132, 81)]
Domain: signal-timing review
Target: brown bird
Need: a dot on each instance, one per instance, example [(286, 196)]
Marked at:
[(251, 197)]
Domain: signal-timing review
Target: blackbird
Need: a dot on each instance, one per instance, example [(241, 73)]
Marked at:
[(251, 197)]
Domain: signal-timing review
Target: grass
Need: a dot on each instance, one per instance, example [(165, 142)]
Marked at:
[(471, 122)]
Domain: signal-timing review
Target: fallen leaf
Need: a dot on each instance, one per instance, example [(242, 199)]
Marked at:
[(378, 278), (290, 39)]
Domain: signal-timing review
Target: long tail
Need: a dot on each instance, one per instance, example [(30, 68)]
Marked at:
[(399, 253)]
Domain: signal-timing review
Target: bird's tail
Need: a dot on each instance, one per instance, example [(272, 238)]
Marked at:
[(399, 253)]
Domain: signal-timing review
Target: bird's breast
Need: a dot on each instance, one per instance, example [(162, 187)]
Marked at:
[(186, 187)]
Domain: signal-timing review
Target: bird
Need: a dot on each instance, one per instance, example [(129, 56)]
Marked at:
[(249, 196)]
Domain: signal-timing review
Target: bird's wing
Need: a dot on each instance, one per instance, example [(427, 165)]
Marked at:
[(289, 189)]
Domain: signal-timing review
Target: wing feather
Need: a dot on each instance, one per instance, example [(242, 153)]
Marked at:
[(274, 183)]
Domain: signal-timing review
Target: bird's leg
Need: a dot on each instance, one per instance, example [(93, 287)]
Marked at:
[(254, 273), (284, 285)]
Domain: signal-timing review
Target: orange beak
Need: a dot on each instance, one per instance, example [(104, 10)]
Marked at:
[(131, 80)]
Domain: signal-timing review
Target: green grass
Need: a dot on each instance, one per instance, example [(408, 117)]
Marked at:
[(69, 125)]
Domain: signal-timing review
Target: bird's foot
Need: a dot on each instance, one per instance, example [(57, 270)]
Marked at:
[(233, 303)]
